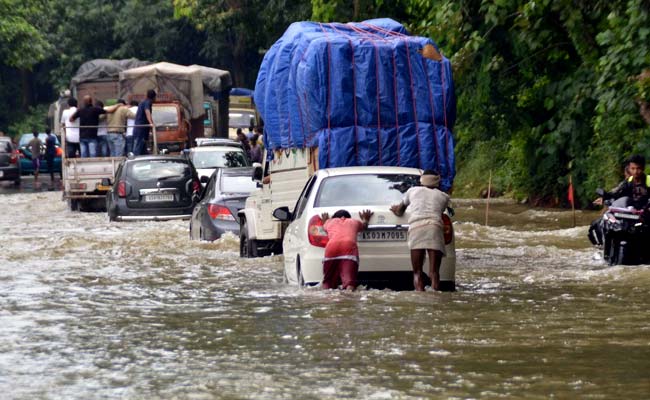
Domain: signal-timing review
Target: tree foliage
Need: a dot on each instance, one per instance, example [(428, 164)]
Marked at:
[(546, 88)]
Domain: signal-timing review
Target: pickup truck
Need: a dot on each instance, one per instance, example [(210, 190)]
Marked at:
[(87, 180)]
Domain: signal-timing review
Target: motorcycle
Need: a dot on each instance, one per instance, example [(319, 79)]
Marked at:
[(622, 232)]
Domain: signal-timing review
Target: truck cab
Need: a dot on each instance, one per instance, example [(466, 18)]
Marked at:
[(172, 129), (280, 182)]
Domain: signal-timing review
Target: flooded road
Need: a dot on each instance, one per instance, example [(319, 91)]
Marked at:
[(91, 309)]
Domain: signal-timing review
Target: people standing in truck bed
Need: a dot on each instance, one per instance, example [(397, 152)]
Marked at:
[(71, 129), (116, 127), (88, 117), (130, 122), (143, 124)]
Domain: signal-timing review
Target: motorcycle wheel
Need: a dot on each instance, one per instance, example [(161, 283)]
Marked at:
[(621, 255)]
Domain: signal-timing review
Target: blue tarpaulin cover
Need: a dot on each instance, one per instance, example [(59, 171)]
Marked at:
[(363, 93)]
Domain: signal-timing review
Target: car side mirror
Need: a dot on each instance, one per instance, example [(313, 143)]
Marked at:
[(204, 179), (282, 213), (106, 182), (258, 172)]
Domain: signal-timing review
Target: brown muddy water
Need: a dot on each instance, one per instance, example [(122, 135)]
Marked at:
[(97, 310)]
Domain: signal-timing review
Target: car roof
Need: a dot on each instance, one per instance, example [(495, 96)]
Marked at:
[(340, 171)]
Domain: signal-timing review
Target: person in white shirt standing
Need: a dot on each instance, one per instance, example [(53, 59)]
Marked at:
[(71, 129), (426, 204), (130, 122)]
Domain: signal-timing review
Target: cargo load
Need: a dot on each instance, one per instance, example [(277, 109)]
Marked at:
[(362, 93)]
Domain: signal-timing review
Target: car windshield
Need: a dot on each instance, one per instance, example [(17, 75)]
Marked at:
[(237, 184), (158, 169), (241, 119), (219, 158), (364, 189), (26, 138), (165, 116)]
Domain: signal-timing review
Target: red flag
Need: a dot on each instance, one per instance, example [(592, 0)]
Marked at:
[(570, 195)]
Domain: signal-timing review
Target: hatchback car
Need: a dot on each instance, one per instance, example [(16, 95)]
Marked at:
[(26, 166), (9, 161), (208, 157), (153, 188), (384, 256), (224, 195)]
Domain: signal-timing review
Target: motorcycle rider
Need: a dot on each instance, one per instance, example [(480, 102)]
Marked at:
[(634, 190)]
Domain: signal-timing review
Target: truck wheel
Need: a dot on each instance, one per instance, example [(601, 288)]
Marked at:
[(17, 182), (247, 248)]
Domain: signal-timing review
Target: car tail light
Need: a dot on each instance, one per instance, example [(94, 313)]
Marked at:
[(196, 186), (121, 189), (220, 212), (316, 232), (448, 228), (15, 155)]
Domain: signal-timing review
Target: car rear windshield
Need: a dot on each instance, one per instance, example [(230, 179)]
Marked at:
[(164, 116), (220, 158), (25, 139), (364, 190), (5, 145), (237, 184), (158, 169)]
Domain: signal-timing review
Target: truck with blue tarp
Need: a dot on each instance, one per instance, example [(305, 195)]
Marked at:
[(336, 95)]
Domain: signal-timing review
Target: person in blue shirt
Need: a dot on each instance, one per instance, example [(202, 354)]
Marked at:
[(50, 152), (143, 124)]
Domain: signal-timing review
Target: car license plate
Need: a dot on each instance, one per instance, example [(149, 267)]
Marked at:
[(158, 197), (382, 236), (2, 174)]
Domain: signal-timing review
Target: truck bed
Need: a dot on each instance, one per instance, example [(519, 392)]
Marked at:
[(82, 177)]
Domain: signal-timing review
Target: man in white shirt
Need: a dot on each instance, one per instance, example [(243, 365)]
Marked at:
[(71, 131), (130, 122)]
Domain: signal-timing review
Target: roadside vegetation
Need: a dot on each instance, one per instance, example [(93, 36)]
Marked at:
[(545, 88)]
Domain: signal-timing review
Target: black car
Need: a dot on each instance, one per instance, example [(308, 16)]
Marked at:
[(153, 188), (9, 161), (225, 194)]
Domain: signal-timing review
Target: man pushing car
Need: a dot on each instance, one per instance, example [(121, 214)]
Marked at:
[(341, 261)]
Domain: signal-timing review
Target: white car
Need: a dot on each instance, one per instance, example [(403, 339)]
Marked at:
[(384, 256), (207, 158)]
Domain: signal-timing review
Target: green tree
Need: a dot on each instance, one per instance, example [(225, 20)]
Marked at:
[(239, 31)]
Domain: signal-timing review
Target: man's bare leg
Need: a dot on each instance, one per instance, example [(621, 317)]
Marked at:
[(435, 259), (417, 259)]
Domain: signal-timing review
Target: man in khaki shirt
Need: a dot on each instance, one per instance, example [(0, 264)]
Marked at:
[(116, 122)]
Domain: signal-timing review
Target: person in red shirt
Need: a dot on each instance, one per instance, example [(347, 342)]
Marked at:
[(341, 261)]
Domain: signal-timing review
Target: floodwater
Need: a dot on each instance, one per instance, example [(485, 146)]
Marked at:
[(97, 310)]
